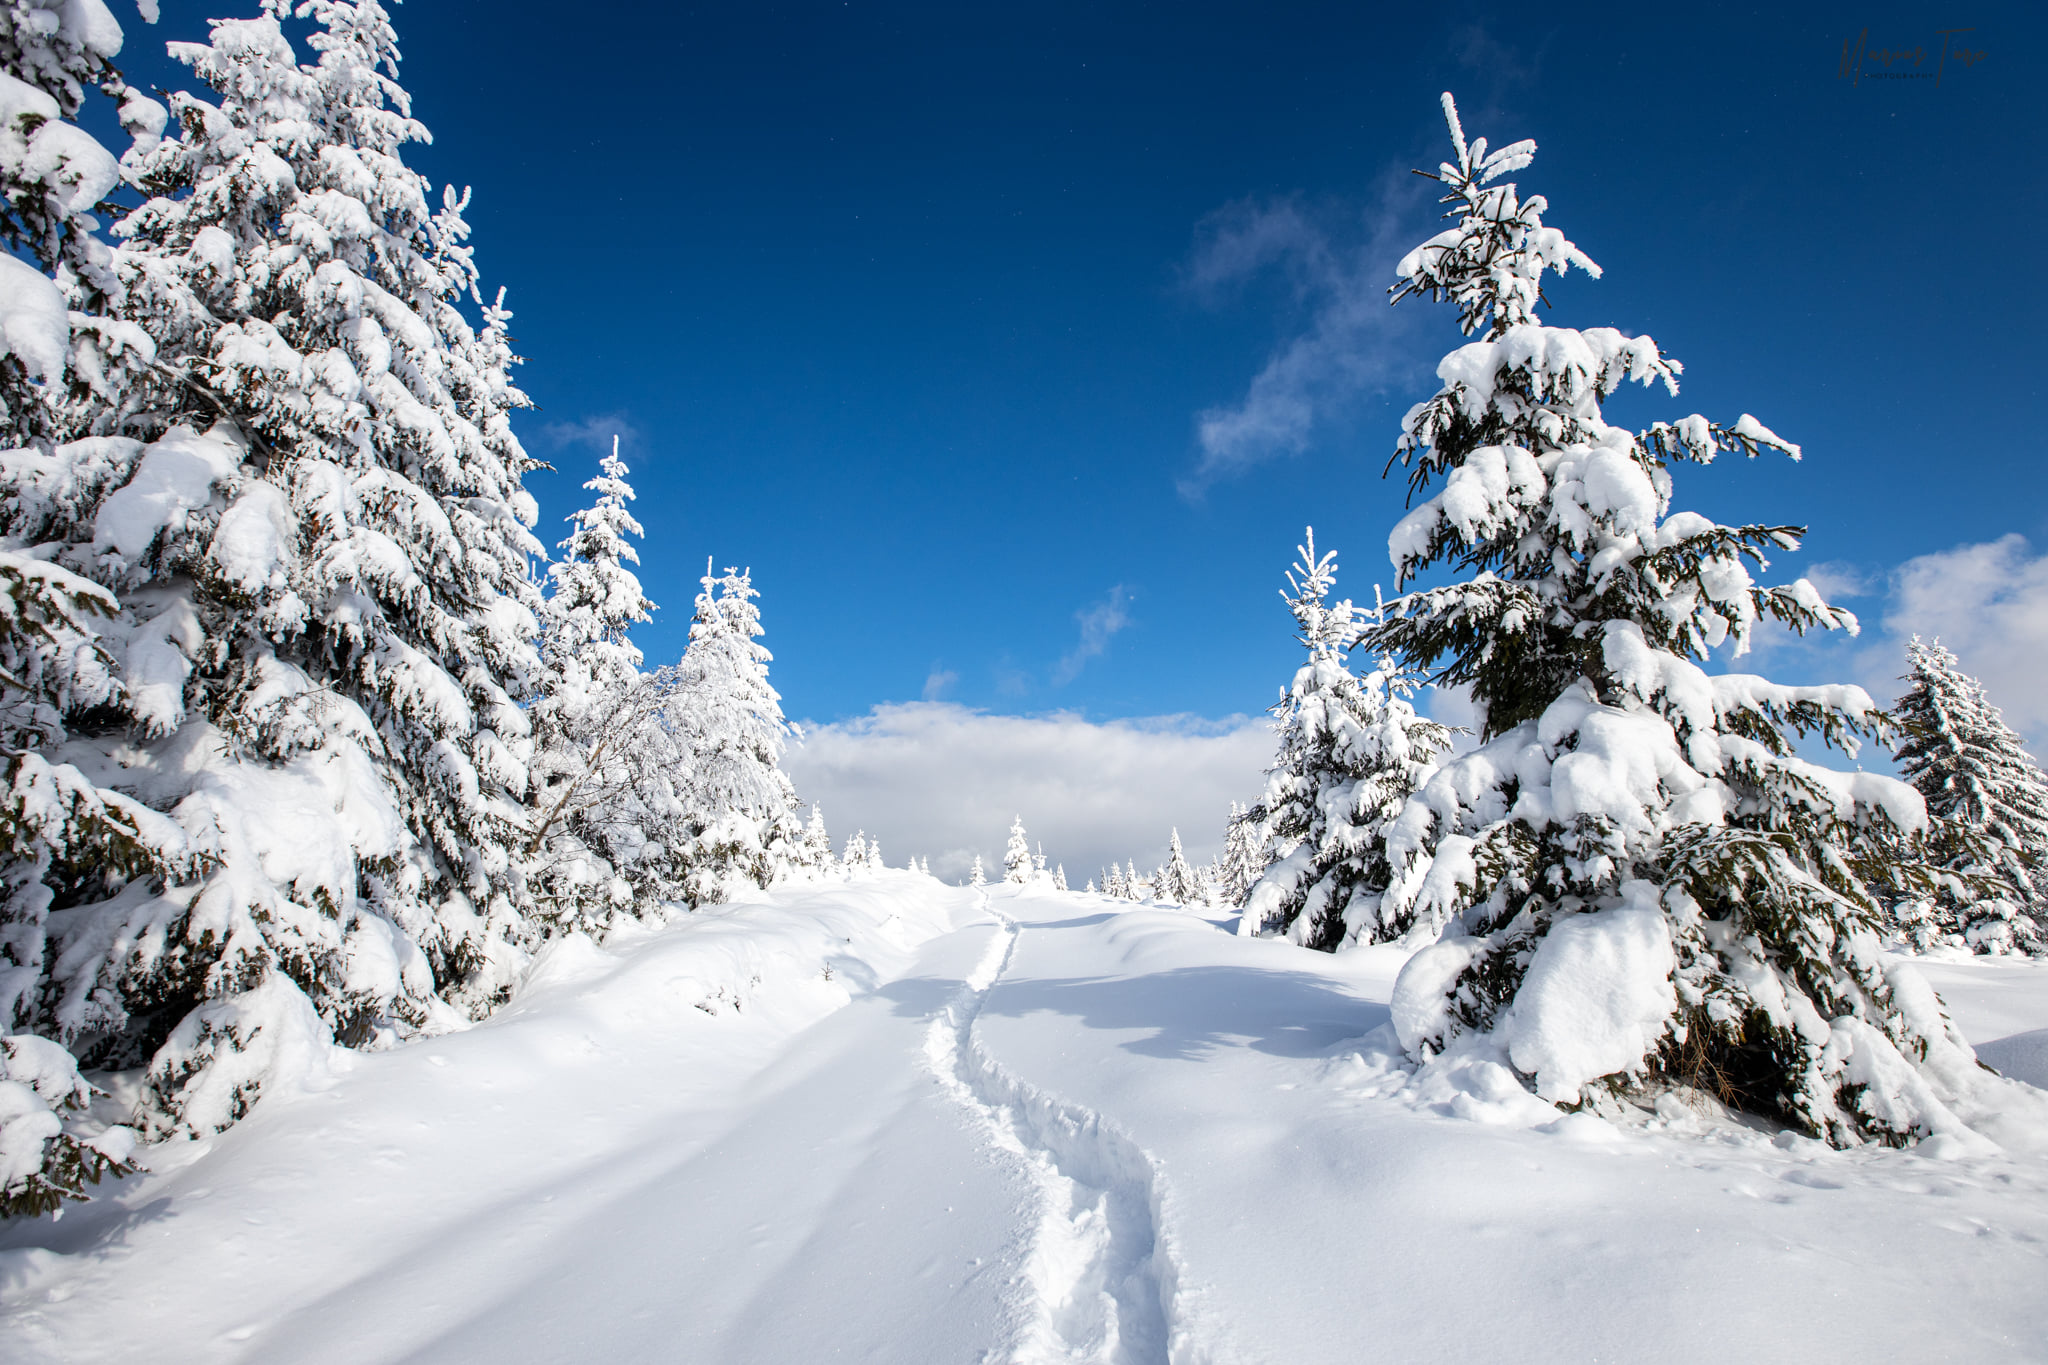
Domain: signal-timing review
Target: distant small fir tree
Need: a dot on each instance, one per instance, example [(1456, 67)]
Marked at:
[(1177, 881), (1017, 857)]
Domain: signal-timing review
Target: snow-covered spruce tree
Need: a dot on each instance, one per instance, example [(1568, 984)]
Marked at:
[(854, 857), (1637, 875), (1987, 803), (977, 877), (1351, 752), (325, 623), (64, 831), (1017, 857), (1177, 881), (818, 859), (1059, 877), (604, 803), (1242, 861), (742, 823), (874, 861)]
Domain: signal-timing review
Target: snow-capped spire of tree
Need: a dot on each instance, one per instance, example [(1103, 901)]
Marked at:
[(1988, 801), (1632, 828), (1017, 857), (597, 599), (1351, 751)]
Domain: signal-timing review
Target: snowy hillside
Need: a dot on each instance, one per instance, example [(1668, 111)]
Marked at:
[(890, 1120)]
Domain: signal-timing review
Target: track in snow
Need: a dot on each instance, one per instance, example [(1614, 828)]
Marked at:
[(1102, 1281)]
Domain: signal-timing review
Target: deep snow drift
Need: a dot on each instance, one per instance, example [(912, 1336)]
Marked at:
[(888, 1120)]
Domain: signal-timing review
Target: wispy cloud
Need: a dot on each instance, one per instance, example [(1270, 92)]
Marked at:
[(938, 681), (1839, 579), (593, 433), (1350, 345), (1099, 624), (1498, 69)]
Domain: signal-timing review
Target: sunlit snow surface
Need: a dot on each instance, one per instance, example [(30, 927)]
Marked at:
[(892, 1121)]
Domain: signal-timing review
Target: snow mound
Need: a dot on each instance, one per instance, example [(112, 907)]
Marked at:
[(1597, 996)]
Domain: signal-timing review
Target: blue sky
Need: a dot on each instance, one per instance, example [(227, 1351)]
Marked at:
[(919, 310)]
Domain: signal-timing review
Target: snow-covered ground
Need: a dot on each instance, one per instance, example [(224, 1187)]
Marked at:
[(894, 1121)]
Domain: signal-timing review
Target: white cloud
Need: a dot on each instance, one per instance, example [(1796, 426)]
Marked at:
[(937, 681), (1099, 624), (1352, 343), (1989, 603), (1986, 601), (940, 780)]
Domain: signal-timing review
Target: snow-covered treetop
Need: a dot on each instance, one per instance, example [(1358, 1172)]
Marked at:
[(597, 599), (1328, 629), (1564, 521), (1957, 750), (1491, 264)]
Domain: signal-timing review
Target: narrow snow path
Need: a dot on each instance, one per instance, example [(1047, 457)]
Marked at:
[(1097, 1296)]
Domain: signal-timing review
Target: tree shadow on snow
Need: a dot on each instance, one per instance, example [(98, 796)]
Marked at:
[(1186, 1013)]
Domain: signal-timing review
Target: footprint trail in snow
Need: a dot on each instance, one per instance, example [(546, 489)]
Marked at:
[(1100, 1278)]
